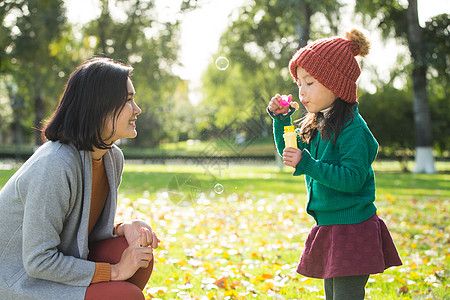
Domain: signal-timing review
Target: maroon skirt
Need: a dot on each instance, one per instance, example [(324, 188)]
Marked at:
[(348, 250)]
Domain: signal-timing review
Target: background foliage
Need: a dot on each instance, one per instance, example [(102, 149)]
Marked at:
[(39, 48)]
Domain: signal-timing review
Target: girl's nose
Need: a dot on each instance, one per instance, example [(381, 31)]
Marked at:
[(301, 91)]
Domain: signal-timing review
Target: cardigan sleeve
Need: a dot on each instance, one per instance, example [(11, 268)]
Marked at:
[(357, 150), (48, 191)]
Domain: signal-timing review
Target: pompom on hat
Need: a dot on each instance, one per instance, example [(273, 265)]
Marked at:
[(332, 62)]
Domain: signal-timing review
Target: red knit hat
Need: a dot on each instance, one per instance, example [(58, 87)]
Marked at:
[(332, 62)]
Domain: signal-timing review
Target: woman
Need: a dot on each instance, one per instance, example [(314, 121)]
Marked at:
[(57, 238)]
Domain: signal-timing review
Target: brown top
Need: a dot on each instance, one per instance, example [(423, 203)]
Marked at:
[(100, 190)]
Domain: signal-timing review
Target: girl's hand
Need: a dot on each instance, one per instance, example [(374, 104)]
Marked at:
[(292, 156), (275, 107), (133, 258), (132, 230)]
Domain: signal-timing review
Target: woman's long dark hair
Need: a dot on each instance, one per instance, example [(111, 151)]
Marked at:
[(94, 91), (329, 127)]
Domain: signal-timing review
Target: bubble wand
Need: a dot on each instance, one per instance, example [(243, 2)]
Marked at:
[(286, 100)]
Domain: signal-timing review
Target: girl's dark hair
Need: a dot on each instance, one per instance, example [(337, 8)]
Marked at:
[(97, 88), (329, 127)]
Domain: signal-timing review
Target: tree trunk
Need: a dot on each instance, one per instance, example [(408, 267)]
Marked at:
[(38, 116), (422, 120), (103, 21), (303, 28)]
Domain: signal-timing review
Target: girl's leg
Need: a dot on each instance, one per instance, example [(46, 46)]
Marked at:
[(328, 288), (345, 288), (111, 250)]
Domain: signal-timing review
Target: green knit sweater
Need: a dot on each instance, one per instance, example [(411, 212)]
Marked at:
[(339, 178)]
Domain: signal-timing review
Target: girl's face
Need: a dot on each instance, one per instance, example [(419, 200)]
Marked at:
[(313, 95), (125, 123)]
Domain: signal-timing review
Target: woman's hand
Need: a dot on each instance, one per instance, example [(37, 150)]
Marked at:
[(132, 230), (133, 258), (292, 156), (275, 107)]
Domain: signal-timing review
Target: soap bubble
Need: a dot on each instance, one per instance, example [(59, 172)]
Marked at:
[(218, 188), (222, 63)]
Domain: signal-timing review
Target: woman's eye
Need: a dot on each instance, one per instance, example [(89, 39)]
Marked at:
[(309, 83)]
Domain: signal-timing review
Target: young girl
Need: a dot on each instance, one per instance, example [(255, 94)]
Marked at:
[(57, 234), (335, 152)]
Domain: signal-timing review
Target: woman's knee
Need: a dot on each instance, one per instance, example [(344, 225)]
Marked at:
[(109, 250), (142, 276), (114, 290)]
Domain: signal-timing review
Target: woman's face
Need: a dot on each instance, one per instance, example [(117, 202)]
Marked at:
[(125, 123), (313, 95)]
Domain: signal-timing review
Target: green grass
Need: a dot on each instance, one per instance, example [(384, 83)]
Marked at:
[(244, 242)]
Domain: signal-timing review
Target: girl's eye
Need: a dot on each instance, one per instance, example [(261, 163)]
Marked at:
[(307, 83)]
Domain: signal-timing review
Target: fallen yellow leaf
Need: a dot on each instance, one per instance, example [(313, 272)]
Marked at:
[(222, 283)]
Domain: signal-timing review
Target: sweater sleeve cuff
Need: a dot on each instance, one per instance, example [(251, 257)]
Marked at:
[(102, 272), (115, 228), (305, 164), (285, 117)]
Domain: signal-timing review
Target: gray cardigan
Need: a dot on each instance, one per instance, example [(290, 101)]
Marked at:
[(44, 216)]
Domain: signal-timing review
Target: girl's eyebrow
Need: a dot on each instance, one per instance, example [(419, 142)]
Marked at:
[(304, 77)]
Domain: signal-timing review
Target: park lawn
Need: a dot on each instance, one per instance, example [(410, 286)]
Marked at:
[(237, 231), (244, 242)]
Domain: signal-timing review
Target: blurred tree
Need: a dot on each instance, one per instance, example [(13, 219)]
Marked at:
[(437, 58), (389, 110), (181, 113), (6, 113), (437, 45), (39, 49), (440, 106), (138, 38), (29, 31), (402, 21), (259, 44), (389, 114), (5, 35)]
